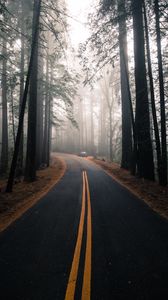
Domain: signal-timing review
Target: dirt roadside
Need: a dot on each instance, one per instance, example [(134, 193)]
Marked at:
[(25, 195), (154, 195)]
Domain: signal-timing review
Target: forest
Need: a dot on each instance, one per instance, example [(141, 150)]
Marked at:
[(108, 96)]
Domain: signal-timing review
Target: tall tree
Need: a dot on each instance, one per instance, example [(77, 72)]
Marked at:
[(145, 161), (125, 89), (30, 169), (40, 107), (162, 96), (152, 95), (22, 111), (92, 148), (19, 170), (45, 152), (4, 149), (112, 15)]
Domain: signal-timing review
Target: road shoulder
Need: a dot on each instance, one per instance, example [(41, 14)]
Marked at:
[(154, 195), (25, 195)]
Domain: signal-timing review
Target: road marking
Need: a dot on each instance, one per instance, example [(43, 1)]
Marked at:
[(86, 288), (70, 292)]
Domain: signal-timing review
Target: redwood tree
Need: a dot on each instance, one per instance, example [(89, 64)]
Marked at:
[(162, 96), (4, 148), (125, 89), (153, 106), (37, 5), (30, 170), (145, 163)]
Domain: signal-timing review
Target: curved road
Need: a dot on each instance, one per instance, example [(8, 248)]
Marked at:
[(88, 238)]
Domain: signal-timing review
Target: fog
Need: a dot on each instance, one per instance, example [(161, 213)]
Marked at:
[(94, 105), (87, 86)]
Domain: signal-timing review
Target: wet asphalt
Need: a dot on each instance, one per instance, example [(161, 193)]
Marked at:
[(129, 243)]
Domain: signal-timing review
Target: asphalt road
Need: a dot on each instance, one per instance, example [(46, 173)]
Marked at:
[(88, 238)]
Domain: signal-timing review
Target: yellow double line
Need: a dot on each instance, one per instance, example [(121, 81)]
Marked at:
[(86, 287)]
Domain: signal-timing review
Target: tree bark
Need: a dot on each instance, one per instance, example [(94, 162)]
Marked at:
[(4, 149), (46, 118), (49, 117), (30, 170), (152, 94), (111, 134), (92, 127), (21, 117), (40, 125), (81, 126), (142, 122), (162, 97), (19, 169), (13, 114), (125, 90)]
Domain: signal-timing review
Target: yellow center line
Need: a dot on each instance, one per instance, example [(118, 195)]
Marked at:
[(86, 288), (75, 263)]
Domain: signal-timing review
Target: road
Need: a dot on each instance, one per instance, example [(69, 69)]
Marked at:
[(88, 238)]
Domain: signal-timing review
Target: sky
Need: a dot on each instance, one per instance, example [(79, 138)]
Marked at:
[(79, 10)]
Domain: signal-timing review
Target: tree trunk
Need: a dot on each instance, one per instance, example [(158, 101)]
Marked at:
[(13, 114), (81, 126), (145, 152), (19, 169), (85, 128), (162, 98), (46, 118), (4, 149), (102, 140), (92, 127), (49, 117), (80, 111), (125, 93), (21, 117), (155, 122), (39, 138), (111, 135), (30, 170)]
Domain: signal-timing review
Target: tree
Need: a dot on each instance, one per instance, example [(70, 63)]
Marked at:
[(22, 111), (92, 146), (145, 163), (109, 89), (24, 58), (30, 169), (45, 152), (162, 96), (40, 108), (152, 94), (19, 170), (126, 159), (4, 149), (110, 21)]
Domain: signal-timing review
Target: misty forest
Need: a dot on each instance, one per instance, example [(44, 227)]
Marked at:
[(83, 149), (106, 95)]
